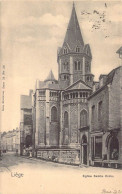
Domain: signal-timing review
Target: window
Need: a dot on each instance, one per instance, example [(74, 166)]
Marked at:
[(100, 111), (87, 64), (76, 94), (84, 95), (73, 95), (77, 49), (66, 130), (41, 93), (66, 77), (54, 114), (81, 94), (87, 78), (98, 147), (78, 65), (65, 66), (83, 118), (65, 50), (93, 113), (66, 122), (75, 65)]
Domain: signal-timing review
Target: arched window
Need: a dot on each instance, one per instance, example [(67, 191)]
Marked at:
[(64, 77), (77, 49), (66, 122), (54, 116), (77, 65), (65, 50), (87, 64), (83, 118), (100, 111), (81, 94), (66, 129)]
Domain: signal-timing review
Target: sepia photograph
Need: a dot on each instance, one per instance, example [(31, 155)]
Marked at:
[(61, 97)]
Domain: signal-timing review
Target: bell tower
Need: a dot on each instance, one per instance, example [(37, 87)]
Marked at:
[(74, 58)]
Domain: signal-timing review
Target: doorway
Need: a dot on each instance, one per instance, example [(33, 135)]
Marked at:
[(84, 150)]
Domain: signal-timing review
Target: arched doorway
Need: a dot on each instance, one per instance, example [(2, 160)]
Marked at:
[(84, 150), (113, 148)]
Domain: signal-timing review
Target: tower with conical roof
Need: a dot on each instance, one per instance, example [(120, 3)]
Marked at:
[(74, 57)]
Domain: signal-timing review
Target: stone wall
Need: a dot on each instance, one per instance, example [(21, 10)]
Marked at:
[(114, 101), (54, 133), (74, 110), (115, 108), (41, 123), (99, 125), (66, 156)]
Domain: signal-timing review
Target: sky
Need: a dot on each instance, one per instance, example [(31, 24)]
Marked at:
[(31, 32)]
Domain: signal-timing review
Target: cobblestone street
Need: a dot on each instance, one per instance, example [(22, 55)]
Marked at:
[(41, 177)]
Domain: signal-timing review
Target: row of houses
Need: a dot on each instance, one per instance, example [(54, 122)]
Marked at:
[(74, 119), (10, 141)]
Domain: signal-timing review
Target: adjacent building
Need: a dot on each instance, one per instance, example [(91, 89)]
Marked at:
[(105, 120), (26, 121), (10, 141)]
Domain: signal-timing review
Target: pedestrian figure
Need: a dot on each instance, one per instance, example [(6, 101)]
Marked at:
[(16, 152)]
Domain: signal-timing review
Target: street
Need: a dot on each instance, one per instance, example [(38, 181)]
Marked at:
[(19, 175)]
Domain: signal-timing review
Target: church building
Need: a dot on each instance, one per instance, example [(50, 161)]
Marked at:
[(60, 106)]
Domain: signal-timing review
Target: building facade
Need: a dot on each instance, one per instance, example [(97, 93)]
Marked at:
[(105, 110), (26, 121), (10, 141)]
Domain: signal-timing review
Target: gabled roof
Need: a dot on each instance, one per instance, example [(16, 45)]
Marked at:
[(45, 85), (109, 80), (54, 86), (50, 77), (79, 85), (73, 35), (87, 50)]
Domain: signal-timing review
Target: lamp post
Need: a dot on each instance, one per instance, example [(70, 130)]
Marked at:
[(119, 51)]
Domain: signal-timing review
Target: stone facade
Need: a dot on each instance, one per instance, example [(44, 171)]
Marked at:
[(60, 107), (105, 121)]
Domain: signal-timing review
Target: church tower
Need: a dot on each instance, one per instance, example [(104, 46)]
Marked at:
[(74, 57)]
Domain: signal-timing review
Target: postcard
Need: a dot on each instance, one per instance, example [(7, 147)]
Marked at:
[(61, 98)]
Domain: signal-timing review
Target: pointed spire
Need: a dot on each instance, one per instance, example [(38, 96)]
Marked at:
[(73, 34), (50, 77), (73, 4)]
